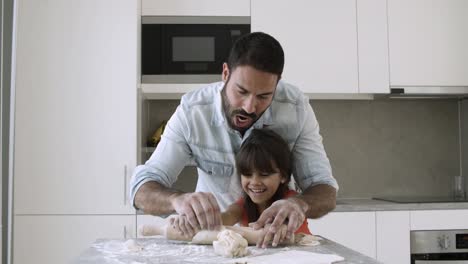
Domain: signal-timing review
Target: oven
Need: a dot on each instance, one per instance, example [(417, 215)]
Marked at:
[(439, 247)]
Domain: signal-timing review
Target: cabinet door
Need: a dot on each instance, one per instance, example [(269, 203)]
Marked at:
[(427, 42), (355, 230), (319, 40), (195, 8), (439, 219), (60, 239), (75, 114), (373, 46), (393, 237)]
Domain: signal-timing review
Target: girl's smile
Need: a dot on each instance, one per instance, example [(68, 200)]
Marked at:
[(261, 187)]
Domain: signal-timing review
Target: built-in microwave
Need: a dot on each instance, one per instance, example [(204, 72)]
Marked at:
[(187, 45)]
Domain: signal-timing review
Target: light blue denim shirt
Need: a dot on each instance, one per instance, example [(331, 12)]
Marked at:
[(198, 134)]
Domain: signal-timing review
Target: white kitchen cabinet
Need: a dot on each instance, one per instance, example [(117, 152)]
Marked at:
[(319, 40), (393, 237), (439, 219), (373, 46), (355, 230), (427, 42), (75, 115), (60, 239), (195, 8)]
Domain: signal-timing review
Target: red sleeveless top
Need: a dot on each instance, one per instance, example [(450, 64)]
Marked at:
[(304, 229)]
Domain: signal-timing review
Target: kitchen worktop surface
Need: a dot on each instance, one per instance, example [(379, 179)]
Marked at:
[(160, 250), (368, 204)]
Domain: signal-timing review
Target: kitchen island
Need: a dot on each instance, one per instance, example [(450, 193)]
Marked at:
[(160, 250)]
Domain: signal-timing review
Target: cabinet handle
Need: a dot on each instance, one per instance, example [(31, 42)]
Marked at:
[(125, 184), (125, 232)]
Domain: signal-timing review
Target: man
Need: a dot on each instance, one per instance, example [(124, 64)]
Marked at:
[(208, 128)]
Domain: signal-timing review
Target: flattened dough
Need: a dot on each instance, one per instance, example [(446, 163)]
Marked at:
[(205, 237)]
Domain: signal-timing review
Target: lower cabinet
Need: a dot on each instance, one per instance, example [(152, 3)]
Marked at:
[(439, 219), (355, 230), (59, 239), (393, 237), (385, 235)]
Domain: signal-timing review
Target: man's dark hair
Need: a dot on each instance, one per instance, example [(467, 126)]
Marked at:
[(258, 50)]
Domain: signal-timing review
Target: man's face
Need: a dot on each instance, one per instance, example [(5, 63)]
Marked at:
[(247, 93)]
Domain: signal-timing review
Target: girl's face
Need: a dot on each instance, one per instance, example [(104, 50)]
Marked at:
[(261, 187)]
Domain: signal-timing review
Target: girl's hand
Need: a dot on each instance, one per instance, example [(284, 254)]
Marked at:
[(182, 225), (278, 238), (282, 212)]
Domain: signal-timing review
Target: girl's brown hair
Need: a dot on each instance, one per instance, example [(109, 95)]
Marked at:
[(264, 151)]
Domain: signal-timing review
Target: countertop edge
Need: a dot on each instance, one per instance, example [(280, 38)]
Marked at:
[(364, 204)]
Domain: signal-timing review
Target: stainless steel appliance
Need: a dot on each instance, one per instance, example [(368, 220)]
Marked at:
[(187, 45), (439, 247)]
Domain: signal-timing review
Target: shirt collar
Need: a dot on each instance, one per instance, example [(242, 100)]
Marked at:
[(218, 117)]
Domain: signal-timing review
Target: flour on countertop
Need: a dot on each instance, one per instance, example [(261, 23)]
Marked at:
[(151, 251), (132, 245), (118, 252)]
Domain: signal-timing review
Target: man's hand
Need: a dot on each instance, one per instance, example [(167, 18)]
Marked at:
[(290, 212), (200, 210), (180, 223)]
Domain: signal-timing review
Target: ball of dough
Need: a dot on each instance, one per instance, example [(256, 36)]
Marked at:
[(230, 244)]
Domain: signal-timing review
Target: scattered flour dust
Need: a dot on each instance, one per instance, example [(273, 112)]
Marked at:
[(149, 251), (132, 245)]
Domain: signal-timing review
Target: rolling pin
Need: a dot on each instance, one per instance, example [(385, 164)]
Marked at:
[(204, 237)]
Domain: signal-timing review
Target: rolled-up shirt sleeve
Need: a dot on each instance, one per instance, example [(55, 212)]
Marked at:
[(171, 155), (311, 164)]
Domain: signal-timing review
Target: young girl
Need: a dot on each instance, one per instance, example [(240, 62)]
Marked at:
[(264, 166)]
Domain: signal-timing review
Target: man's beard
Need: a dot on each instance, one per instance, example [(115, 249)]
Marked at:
[(230, 112)]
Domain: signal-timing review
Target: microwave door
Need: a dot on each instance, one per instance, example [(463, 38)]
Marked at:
[(151, 49), (194, 49)]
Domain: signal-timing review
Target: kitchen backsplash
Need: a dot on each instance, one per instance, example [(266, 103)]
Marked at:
[(376, 147), (391, 147)]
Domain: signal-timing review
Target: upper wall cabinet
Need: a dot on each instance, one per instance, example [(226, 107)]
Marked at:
[(195, 8), (319, 40), (372, 46), (428, 42)]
